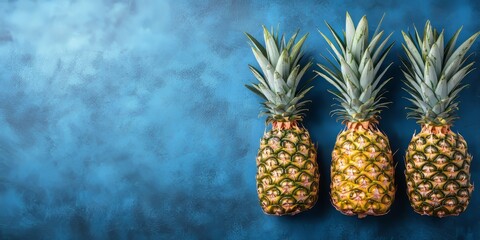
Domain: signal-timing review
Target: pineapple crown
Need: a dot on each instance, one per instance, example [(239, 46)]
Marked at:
[(434, 73), (282, 72), (358, 81)]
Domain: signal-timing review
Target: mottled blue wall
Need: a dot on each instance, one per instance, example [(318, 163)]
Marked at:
[(129, 119)]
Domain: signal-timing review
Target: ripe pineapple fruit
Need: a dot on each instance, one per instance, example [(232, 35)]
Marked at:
[(287, 171), (437, 162), (362, 168)]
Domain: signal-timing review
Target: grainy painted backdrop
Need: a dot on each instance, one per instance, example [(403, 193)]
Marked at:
[(129, 119)]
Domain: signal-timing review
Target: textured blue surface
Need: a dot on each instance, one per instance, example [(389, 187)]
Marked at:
[(129, 119)]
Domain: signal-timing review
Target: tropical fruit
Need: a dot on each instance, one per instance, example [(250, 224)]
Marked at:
[(287, 171), (362, 169), (437, 161)]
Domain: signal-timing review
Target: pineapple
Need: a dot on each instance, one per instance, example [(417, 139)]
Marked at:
[(287, 171), (362, 169), (437, 162)]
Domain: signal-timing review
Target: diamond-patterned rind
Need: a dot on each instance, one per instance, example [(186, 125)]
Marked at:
[(287, 172), (362, 173), (438, 174)]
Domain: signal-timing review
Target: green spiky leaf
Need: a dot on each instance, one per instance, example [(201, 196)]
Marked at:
[(357, 73), (280, 75), (434, 73)]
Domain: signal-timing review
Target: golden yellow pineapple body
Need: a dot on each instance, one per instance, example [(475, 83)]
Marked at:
[(362, 172), (438, 172), (287, 170)]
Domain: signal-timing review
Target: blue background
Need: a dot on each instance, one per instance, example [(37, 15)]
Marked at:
[(129, 119)]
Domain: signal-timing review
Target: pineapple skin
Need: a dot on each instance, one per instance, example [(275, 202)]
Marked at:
[(438, 173), (363, 173), (287, 172)]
